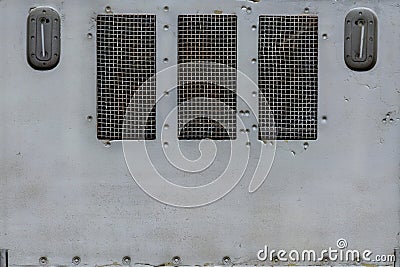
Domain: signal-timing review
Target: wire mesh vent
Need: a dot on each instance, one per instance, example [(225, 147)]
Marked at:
[(288, 76), (126, 49), (207, 77)]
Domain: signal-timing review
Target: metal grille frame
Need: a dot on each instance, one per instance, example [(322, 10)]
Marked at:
[(207, 50), (288, 76), (126, 93)]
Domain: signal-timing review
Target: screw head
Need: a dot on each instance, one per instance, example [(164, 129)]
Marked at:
[(43, 260), (126, 260), (76, 260)]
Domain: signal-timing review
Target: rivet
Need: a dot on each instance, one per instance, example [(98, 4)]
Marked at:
[(226, 260), (176, 260), (107, 144), (108, 9), (166, 8), (306, 10), (166, 27), (76, 260), (325, 36), (89, 35), (305, 145), (126, 260), (275, 259), (43, 260), (89, 118)]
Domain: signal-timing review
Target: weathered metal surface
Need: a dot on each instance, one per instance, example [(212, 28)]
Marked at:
[(64, 194)]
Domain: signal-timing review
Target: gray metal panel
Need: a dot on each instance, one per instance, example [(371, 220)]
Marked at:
[(63, 193)]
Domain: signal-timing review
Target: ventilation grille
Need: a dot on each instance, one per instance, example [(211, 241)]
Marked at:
[(125, 61), (207, 77), (288, 77)]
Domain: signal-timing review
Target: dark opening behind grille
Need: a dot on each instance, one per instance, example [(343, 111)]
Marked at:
[(288, 76), (207, 39), (125, 60)]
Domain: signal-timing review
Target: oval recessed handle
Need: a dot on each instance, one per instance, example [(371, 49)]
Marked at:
[(360, 39), (43, 50)]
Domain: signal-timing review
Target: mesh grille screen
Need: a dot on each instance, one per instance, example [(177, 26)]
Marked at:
[(288, 76), (125, 60), (207, 92)]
